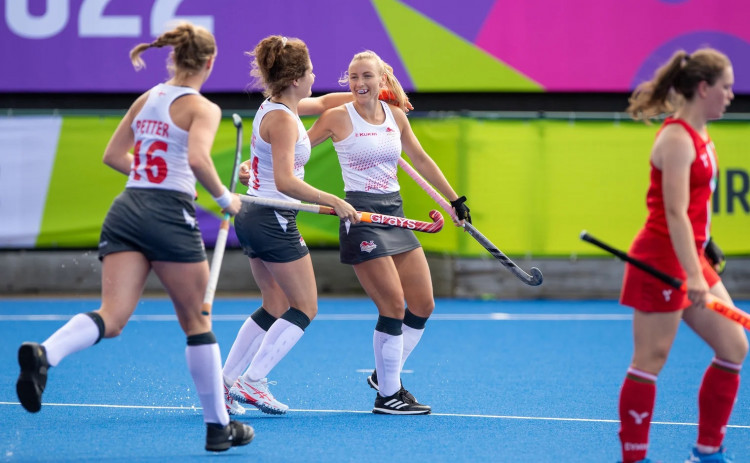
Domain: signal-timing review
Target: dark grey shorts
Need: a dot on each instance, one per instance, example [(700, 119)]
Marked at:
[(160, 224), (366, 241), (269, 234)]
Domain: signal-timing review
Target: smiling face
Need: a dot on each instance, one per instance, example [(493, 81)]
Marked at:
[(365, 79), (719, 95)]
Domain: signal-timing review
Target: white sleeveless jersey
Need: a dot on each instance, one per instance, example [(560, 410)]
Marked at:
[(160, 155), (261, 162), (369, 155)]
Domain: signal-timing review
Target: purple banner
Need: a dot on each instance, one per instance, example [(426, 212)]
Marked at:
[(83, 45), (433, 45)]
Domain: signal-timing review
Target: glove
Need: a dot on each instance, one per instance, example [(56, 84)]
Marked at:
[(715, 256), (462, 211)]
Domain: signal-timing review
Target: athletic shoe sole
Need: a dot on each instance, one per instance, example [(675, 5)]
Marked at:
[(388, 411), (262, 407), (33, 372)]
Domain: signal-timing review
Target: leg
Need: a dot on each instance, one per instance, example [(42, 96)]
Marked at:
[(186, 284), (273, 297), (380, 280), (417, 283), (252, 332), (297, 281), (653, 335), (123, 277), (721, 380)]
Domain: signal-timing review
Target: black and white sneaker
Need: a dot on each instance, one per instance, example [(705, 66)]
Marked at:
[(400, 403), (220, 438), (372, 380), (32, 358)]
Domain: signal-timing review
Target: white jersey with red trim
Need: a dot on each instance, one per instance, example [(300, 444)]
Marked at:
[(261, 161), (160, 155), (369, 155)]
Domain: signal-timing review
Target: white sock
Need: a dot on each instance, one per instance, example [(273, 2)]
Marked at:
[(388, 349), (411, 339), (204, 363), (79, 333), (243, 350), (279, 340)]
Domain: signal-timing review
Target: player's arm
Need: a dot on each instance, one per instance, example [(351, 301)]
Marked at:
[(280, 129), (201, 134), (117, 154), (330, 124), (426, 166), (312, 106), (673, 153)]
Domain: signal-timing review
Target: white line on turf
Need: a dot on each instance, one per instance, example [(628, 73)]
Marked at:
[(449, 415), (355, 317)]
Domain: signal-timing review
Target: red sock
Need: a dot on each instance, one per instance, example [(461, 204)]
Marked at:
[(715, 401), (637, 398)]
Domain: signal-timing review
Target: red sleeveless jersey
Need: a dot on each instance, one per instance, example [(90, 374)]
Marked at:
[(703, 174)]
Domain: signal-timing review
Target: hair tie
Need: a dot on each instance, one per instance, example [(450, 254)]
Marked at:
[(283, 42)]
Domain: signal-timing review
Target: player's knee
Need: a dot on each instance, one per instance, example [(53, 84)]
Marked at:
[(109, 327), (415, 321), (310, 310), (738, 350), (653, 360), (298, 317), (424, 309), (99, 322)]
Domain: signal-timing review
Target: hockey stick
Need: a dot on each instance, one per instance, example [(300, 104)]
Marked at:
[(535, 279), (717, 305), (369, 217), (221, 238)]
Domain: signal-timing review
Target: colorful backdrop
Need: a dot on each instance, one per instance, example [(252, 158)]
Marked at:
[(532, 185), (433, 45)]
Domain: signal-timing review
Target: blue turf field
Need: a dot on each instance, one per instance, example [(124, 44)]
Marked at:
[(531, 381)]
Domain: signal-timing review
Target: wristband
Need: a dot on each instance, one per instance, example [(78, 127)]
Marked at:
[(225, 199)]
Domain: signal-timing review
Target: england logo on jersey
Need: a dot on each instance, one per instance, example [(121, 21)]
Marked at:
[(367, 246)]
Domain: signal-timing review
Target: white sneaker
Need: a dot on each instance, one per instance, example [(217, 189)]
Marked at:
[(256, 393), (233, 408)]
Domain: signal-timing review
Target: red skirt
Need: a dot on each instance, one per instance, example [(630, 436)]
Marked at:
[(647, 293)]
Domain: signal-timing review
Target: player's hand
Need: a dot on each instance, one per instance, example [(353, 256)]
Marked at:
[(345, 211), (697, 290), (244, 174), (389, 97), (234, 207), (715, 256), (462, 210)]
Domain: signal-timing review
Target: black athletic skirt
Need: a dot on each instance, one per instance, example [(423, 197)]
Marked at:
[(364, 241), (269, 234), (160, 224)]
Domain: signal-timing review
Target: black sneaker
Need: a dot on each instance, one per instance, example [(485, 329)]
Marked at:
[(400, 403), (32, 358), (372, 380), (220, 438)]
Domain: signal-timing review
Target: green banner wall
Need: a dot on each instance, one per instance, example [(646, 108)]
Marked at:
[(532, 185)]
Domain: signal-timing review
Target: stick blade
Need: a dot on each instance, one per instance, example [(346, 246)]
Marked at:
[(536, 277)]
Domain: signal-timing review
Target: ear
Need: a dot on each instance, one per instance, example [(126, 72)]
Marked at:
[(210, 63), (702, 88)]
